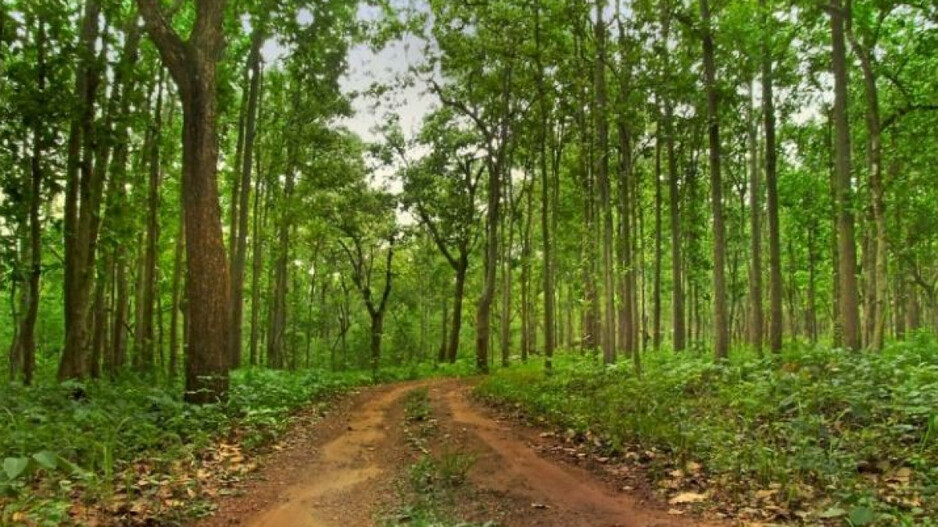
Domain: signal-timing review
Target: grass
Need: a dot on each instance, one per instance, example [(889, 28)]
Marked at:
[(841, 437), (428, 492)]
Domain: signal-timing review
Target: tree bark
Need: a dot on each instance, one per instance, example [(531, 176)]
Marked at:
[(847, 249), (876, 316), (755, 234), (193, 67), (240, 247), (721, 336), (82, 182), (771, 183), (608, 334), (26, 335)]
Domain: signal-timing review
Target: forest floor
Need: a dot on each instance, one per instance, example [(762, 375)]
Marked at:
[(426, 453)]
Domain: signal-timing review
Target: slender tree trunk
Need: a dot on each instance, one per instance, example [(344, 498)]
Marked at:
[(771, 182), (526, 329), (175, 303), (877, 314), (508, 226), (721, 336), (484, 308), (256, 271), (80, 207), (444, 339), (26, 335), (847, 249), (608, 336), (755, 233), (459, 294), (240, 252), (656, 295), (145, 333), (546, 213)]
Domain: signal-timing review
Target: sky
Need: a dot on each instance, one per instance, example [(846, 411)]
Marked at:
[(366, 67)]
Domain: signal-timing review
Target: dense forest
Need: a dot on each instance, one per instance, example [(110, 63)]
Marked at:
[(182, 197)]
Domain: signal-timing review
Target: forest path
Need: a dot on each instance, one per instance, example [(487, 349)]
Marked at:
[(347, 470)]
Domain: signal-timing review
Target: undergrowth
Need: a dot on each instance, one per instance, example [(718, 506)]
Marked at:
[(133, 449), (830, 436)]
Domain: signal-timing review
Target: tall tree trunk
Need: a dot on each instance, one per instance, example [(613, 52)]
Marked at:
[(256, 271), (192, 64), (240, 247), (144, 331), (546, 213), (462, 267), (26, 335), (679, 338), (755, 233), (444, 339), (847, 249), (484, 307), (508, 222), (656, 295), (876, 315), (608, 335), (721, 336), (771, 183), (80, 207), (175, 304), (526, 327)]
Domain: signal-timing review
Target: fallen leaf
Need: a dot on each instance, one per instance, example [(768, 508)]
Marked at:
[(687, 497)]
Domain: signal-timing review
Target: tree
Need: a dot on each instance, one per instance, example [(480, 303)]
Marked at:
[(721, 331), (846, 249), (192, 64)]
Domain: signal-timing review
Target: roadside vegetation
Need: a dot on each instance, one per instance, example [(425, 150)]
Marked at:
[(810, 435), (133, 451)]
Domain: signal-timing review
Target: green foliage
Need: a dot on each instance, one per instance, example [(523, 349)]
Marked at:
[(58, 439), (417, 405), (823, 424)]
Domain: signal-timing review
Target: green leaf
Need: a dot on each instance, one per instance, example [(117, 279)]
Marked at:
[(860, 516), (15, 466), (833, 512), (47, 459)]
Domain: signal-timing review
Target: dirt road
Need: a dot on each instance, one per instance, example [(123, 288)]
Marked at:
[(347, 471)]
